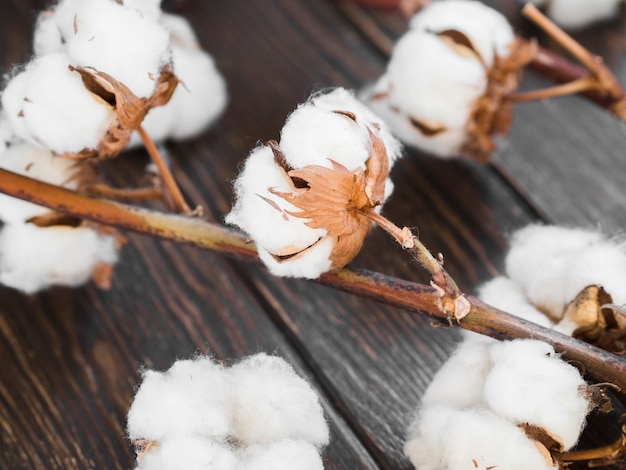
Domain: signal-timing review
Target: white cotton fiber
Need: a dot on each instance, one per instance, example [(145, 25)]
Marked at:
[(188, 399), (460, 381), (287, 454), (553, 264), (32, 258), (271, 402), (120, 41), (530, 384), (308, 265), (39, 164), (575, 14), (48, 105), (264, 215), (486, 28), (445, 438), (501, 292), (47, 38), (189, 453)]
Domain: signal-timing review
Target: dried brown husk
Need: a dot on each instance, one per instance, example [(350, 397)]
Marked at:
[(545, 442), (599, 321), (130, 110), (337, 199), (491, 114), (143, 447)]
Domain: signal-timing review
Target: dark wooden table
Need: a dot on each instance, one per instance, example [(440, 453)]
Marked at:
[(70, 358)]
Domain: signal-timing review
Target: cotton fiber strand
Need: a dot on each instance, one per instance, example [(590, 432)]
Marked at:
[(287, 454), (189, 453), (577, 14)]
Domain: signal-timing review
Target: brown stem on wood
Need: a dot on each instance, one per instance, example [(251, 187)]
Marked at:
[(172, 189), (608, 89), (576, 86), (122, 194), (600, 365), (452, 299)]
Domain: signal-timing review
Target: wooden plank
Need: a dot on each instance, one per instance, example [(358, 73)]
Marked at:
[(70, 358)]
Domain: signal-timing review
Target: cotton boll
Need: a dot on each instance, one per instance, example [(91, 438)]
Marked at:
[(283, 455), (315, 133), (429, 84), (443, 438), (487, 29), (200, 97), (468, 366), (271, 402), (504, 294), (48, 105), (540, 262), (530, 384), (37, 163), (32, 258), (576, 14), (119, 41), (188, 453), (47, 38), (268, 222), (147, 8), (189, 399)]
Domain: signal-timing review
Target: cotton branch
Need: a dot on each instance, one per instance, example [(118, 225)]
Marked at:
[(413, 297)]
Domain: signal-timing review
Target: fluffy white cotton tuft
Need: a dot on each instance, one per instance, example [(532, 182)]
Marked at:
[(332, 126), (445, 438), (469, 366), (271, 402), (553, 264), (190, 399), (576, 14), (48, 105), (530, 384), (284, 455), (123, 42), (32, 258), (487, 29), (47, 38), (189, 453), (432, 83)]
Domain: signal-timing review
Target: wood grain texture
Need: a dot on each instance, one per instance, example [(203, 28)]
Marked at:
[(72, 356)]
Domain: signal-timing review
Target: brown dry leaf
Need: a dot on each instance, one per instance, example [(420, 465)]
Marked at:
[(130, 109), (336, 199), (492, 113)]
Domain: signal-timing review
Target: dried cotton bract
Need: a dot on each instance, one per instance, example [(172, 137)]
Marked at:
[(257, 415), (445, 83), (305, 201), (576, 14)]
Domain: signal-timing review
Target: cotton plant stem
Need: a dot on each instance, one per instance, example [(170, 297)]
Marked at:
[(600, 456), (600, 365), (121, 194), (576, 86), (169, 182)]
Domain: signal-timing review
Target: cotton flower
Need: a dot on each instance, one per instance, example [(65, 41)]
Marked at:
[(258, 414), (304, 201), (443, 88), (576, 14)]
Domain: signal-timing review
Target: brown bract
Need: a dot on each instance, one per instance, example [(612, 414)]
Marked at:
[(338, 200), (491, 114), (130, 109), (599, 321)]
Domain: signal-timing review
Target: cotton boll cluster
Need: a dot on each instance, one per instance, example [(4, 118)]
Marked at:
[(576, 14), (513, 389), (443, 88), (503, 395), (258, 414), (302, 201)]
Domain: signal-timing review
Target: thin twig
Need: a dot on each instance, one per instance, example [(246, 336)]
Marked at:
[(600, 365), (122, 194), (575, 86), (171, 187)]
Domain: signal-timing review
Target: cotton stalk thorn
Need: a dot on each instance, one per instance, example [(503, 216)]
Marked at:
[(445, 87), (258, 414), (304, 200)]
